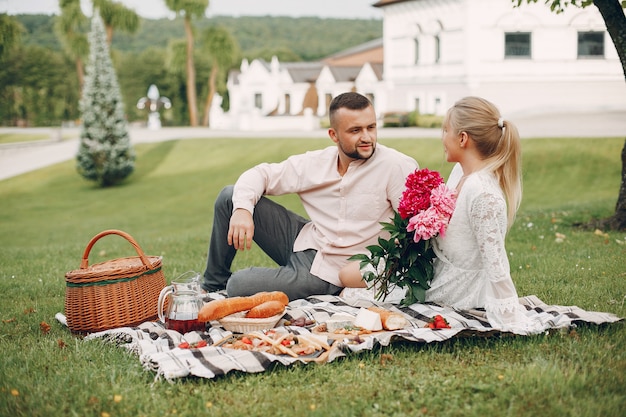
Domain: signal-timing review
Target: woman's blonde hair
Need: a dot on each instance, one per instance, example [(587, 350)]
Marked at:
[(497, 141)]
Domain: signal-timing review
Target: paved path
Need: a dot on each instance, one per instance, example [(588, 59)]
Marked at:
[(19, 158)]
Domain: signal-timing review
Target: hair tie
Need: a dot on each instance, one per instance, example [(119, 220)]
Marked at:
[(500, 122)]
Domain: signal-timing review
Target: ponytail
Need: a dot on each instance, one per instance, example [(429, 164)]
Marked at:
[(506, 164)]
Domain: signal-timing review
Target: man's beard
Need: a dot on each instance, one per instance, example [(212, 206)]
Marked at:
[(354, 153)]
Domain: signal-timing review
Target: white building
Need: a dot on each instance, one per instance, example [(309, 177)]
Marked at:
[(526, 60)]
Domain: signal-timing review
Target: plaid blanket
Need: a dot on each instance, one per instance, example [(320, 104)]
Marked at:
[(158, 351)]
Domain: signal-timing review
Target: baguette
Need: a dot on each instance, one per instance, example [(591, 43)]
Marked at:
[(390, 320), (265, 310), (216, 309)]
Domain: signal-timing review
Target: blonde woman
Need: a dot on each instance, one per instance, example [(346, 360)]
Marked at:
[(472, 268)]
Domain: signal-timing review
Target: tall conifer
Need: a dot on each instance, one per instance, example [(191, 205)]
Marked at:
[(105, 154)]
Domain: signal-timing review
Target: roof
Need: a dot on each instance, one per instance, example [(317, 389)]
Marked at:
[(303, 71), (378, 70), (373, 44), (345, 73)]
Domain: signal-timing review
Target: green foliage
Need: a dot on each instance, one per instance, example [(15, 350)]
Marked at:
[(117, 16), (401, 262), (190, 8), (70, 27), (10, 33), (105, 154), (39, 30), (424, 120), (559, 6), (151, 56), (48, 216), (35, 88)]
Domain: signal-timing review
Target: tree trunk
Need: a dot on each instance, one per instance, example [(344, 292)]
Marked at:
[(109, 30), (81, 76), (618, 220), (613, 15), (210, 95), (191, 75)]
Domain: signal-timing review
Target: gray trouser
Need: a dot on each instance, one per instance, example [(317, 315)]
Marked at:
[(275, 231)]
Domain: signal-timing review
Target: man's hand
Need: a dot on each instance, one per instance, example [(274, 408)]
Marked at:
[(241, 229)]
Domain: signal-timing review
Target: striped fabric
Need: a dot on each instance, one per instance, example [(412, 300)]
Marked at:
[(157, 348)]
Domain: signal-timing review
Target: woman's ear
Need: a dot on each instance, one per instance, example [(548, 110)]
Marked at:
[(463, 139)]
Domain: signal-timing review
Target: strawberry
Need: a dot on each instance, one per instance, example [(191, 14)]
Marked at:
[(438, 322)]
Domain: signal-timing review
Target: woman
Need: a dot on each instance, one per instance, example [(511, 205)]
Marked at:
[(472, 269)]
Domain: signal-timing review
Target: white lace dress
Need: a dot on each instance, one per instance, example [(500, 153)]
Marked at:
[(472, 267)]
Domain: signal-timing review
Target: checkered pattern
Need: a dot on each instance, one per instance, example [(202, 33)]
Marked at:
[(157, 348)]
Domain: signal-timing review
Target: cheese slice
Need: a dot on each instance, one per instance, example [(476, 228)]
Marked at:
[(339, 321), (369, 320)]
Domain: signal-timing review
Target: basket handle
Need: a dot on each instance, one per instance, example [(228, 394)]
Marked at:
[(84, 263)]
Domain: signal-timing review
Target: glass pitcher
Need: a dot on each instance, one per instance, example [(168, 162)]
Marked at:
[(183, 301)]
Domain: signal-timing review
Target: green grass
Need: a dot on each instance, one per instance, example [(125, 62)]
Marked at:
[(19, 137), (48, 216), (22, 137)]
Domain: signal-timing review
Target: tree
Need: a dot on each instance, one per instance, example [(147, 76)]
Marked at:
[(222, 51), (105, 154), (10, 33), (70, 27), (116, 16), (612, 12), (189, 8)]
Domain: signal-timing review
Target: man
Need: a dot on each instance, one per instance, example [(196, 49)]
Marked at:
[(346, 190)]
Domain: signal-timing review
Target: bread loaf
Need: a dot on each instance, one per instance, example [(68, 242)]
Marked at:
[(390, 320), (216, 309), (265, 310)]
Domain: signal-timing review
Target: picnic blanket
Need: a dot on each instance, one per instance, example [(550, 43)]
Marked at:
[(158, 351)]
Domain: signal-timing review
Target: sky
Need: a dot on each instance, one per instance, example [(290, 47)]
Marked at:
[(155, 9)]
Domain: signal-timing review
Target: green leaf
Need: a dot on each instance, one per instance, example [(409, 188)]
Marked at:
[(359, 257)]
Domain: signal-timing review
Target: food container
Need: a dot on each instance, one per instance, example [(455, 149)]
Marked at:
[(238, 323), (116, 293)]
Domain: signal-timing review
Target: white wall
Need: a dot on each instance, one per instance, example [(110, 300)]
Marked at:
[(471, 36)]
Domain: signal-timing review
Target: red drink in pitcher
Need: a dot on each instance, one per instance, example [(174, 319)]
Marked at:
[(184, 326)]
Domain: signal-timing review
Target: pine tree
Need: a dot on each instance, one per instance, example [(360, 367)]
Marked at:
[(105, 154)]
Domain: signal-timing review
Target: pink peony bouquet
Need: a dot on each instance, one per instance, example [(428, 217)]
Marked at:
[(405, 259)]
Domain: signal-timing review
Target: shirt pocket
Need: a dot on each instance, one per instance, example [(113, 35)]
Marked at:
[(364, 206)]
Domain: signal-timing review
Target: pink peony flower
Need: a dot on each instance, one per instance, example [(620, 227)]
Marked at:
[(444, 199), (416, 196), (434, 219)]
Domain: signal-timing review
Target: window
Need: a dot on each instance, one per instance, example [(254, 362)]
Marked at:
[(287, 104), (517, 45), (258, 100), (417, 50), (590, 44), (437, 49)]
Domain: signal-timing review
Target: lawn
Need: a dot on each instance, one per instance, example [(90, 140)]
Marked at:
[(48, 216), (15, 138)]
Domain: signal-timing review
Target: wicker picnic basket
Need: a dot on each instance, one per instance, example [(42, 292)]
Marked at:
[(117, 293)]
